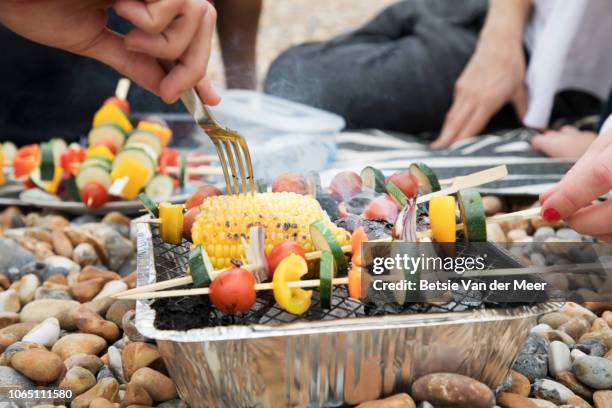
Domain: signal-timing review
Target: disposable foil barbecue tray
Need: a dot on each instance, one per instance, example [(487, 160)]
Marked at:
[(354, 352)]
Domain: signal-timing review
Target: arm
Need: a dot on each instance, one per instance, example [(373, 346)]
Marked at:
[(237, 28), (494, 75)]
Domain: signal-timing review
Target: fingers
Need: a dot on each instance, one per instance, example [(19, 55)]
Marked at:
[(605, 238), (520, 102), (207, 92), (151, 17), (581, 186), (455, 119), (593, 220), (475, 123)]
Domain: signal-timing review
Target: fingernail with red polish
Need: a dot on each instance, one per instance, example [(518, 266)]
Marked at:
[(550, 214)]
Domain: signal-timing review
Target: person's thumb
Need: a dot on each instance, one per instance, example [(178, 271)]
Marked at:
[(520, 101)]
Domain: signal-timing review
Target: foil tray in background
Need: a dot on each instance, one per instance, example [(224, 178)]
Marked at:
[(327, 363)]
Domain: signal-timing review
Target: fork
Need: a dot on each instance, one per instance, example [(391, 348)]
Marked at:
[(230, 145)]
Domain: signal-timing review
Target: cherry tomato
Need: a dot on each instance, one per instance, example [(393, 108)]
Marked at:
[(70, 160), (25, 160), (120, 103), (382, 208), (168, 158), (281, 251), (188, 220), (233, 291), (201, 194), (406, 182), (94, 195), (345, 185), (291, 182)]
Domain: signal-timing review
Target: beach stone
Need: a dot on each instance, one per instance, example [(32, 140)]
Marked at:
[(119, 249), (537, 259), (516, 235), (40, 310), (17, 347), (9, 377), (5, 282), (551, 391), (77, 343), (101, 403), (45, 333), (608, 355), (159, 386), (106, 388), (6, 339), (90, 362), (18, 329), (78, 380), (520, 384), (540, 403), (558, 335), (62, 263), (555, 319), (508, 400), (541, 328), (115, 364), (607, 315), (104, 372), (92, 272), (592, 347), (110, 288), (46, 293), (596, 372), (576, 401), (116, 312), (449, 389), (85, 291), (576, 354), (131, 280), (9, 301), (137, 355), (568, 234), (575, 310), (61, 244), (603, 399), (558, 358), (8, 318), (543, 233), (604, 337), (13, 255), (570, 381), (423, 404), (88, 321), (495, 233), (177, 403), (39, 365), (26, 287), (84, 254), (129, 327), (575, 327), (137, 395), (600, 324), (492, 205), (532, 361)]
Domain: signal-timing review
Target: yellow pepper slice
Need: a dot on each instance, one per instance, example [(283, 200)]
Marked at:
[(99, 151), (137, 174), (110, 112), (163, 133), (171, 227), (293, 300), (53, 185), (442, 218)]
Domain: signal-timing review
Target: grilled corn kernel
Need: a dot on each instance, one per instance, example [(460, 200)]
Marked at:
[(285, 216)]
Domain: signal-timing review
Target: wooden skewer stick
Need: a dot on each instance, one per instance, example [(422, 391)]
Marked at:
[(312, 283), (200, 170), (123, 88)]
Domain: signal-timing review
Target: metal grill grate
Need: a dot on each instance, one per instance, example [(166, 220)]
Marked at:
[(185, 313)]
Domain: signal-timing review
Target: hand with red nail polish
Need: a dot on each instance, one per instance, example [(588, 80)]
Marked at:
[(573, 198), (180, 30)]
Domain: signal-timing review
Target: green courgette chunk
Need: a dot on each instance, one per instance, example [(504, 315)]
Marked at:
[(373, 179), (200, 267), (324, 240), (396, 194), (47, 162), (149, 204), (428, 181), (327, 271), (472, 215)]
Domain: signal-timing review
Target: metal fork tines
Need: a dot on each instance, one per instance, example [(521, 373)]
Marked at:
[(231, 146)]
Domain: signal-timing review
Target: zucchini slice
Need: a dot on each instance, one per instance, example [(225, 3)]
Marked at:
[(442, 218), (107, 132), (147, 138), (428, 181), (200, 267), (161, 186), (324, 240), (98, 161), (93, 174), (260, 186), (171, 226), (149, 204), (9, 149), (472, 215), (47, 162), (58, 145), (139, 155), (373, 179), (73, 190), (314, 182), (182, 170), (397, 195), (327, 271)]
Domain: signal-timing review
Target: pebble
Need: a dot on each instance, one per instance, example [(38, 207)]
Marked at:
[(129, 327), (570, 381), (551, 391), (104, 372), (446, 389), (137, 395), (45, 333), (85, 291), (17, 347), (9, 301), (568, 234), (177, 403), (555, 319), (508, 400), (118, 309), (26, 287), (77, 343), (576, 401), (13, 255), (520, 384), (607, 315), (115, 364), (543, 233), (78, 380), (106, 388), (39, 310), (492, 205), (537, 259), (8, 318), (62, 262), (558, 335), (90, 362), (39, 365), (558, 358), (516, 235), (603, 399), (592, 347), (110, 288), (102, 403), (576, 354), (540, 328), (423, 404), (532, 361), (84, 254), (91, 272), (5, 282), (575, 327), (604, 337), (9, 377), (138, 355), (540, 403), (596, 372), (495, 233), (87, 321), (600, 324), (119, 249), (61, 244), (162, 388), (575, 310)]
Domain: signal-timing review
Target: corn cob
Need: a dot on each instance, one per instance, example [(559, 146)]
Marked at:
[(285, 216)]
